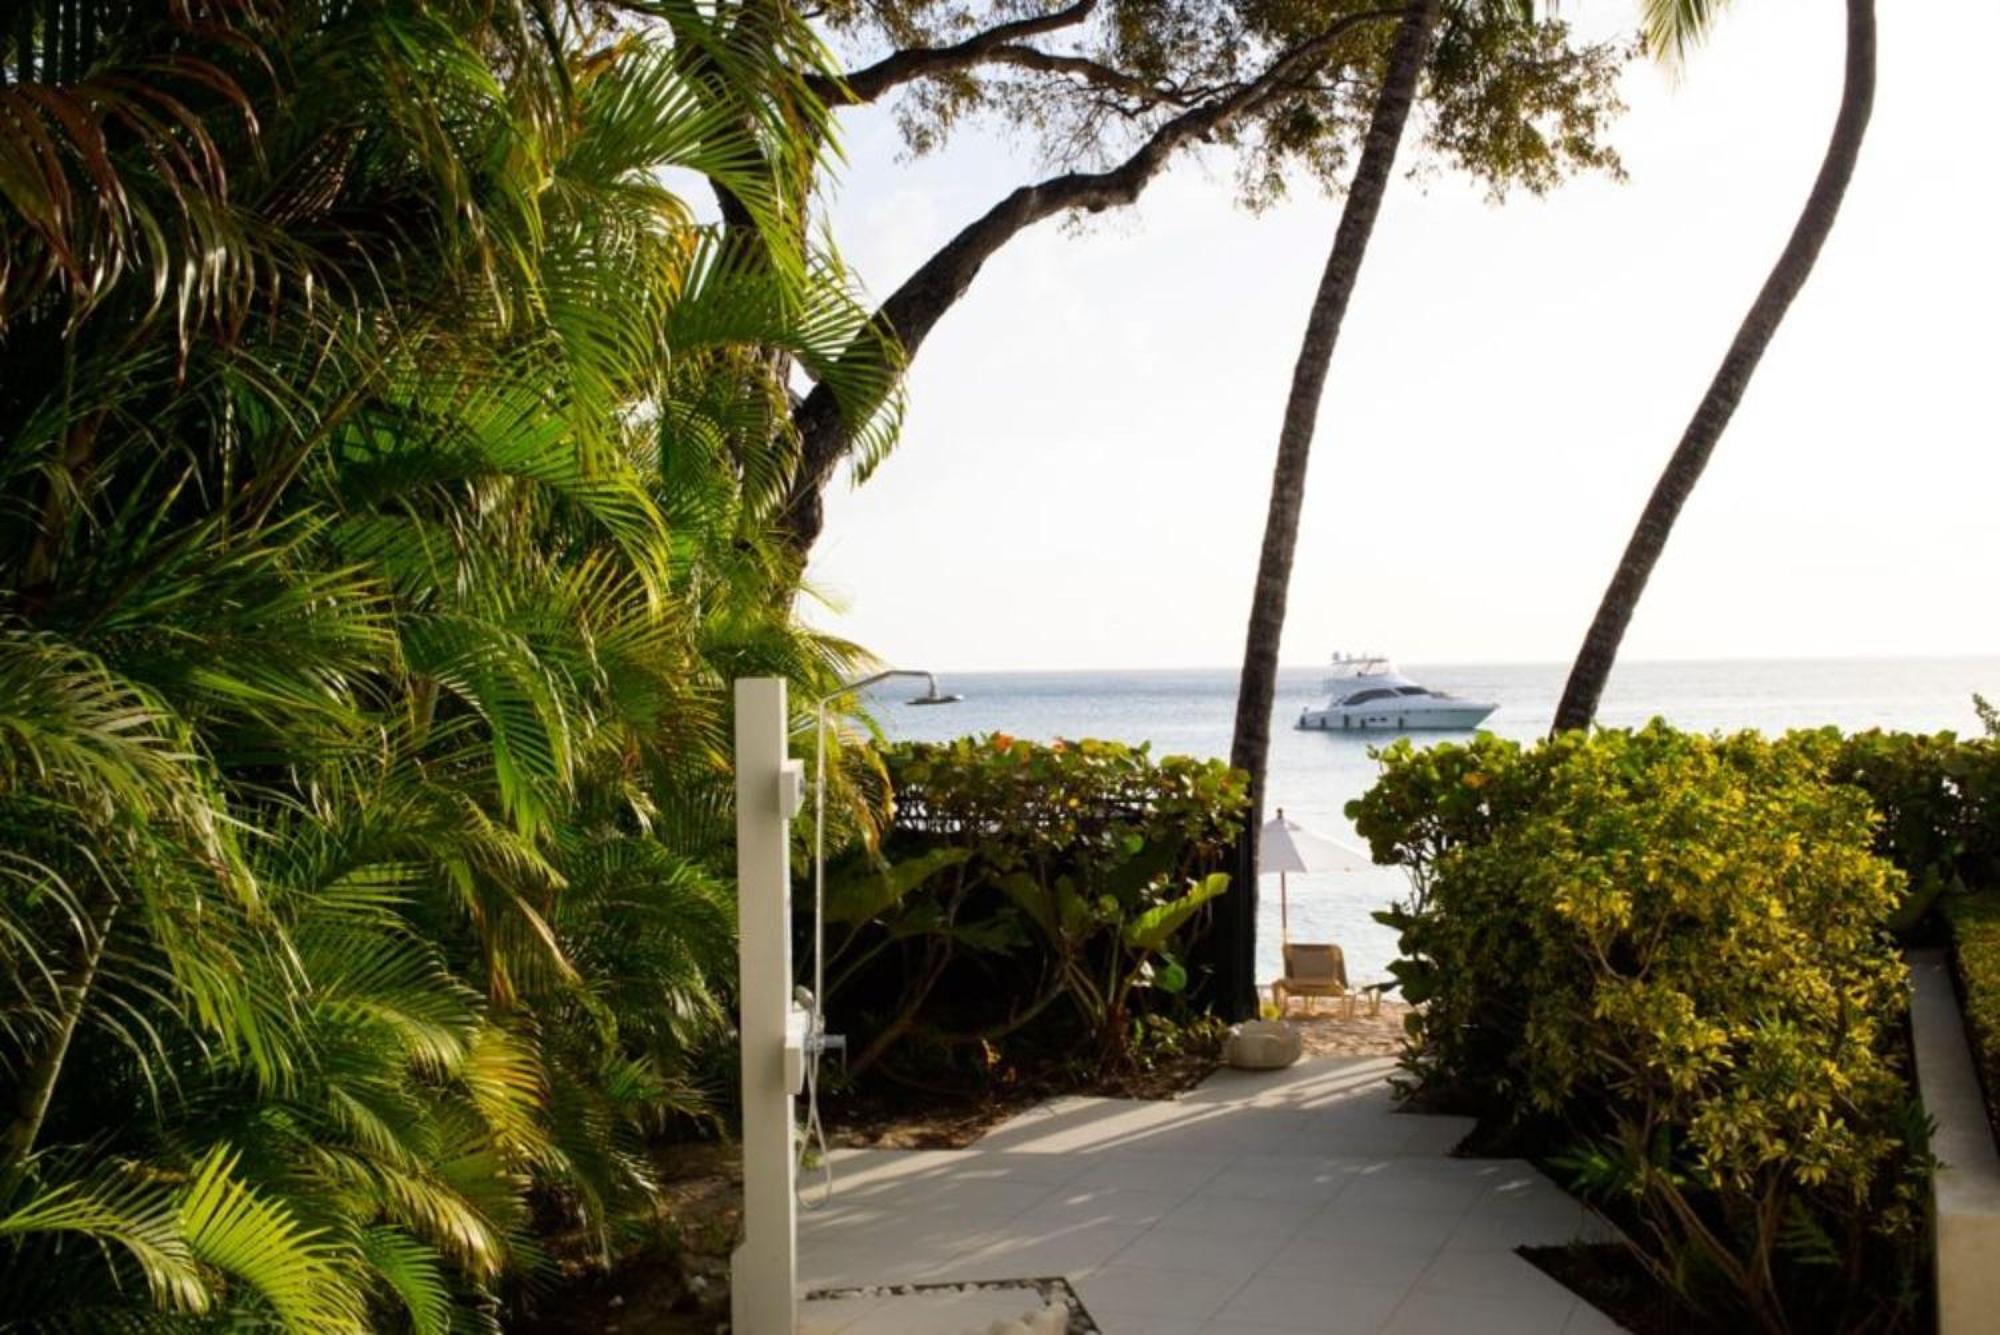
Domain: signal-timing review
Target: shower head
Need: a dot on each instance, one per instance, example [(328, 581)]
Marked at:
[(931, 695)]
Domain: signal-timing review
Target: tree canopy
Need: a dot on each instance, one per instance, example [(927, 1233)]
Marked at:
[(1111, 95)]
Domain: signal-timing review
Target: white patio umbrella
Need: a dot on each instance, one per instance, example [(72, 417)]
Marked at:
[(1287, 846)]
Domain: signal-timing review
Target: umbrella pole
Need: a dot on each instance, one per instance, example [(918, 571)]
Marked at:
[(1284, 912)]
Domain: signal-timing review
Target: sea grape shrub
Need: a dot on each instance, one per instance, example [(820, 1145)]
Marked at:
[(1028, 895), (1667, 955)]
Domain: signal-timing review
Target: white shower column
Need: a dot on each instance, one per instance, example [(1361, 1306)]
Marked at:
[(769, 784)]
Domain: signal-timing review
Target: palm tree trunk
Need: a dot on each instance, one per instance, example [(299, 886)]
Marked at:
[(1250, 748), (17, 1141), (1600, 646)]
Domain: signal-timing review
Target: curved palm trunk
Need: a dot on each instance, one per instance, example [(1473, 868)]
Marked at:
[(1600, 646), (1250, 747), (17, 1140)]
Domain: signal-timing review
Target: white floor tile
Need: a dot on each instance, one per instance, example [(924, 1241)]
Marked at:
[(828, 1268), (1436, 1135), (1068, 1252), (1587, 1320), (1456, 1314), (940, 1194), (1331, 1307), (1344, 1222), (1138, 1207), (1183, 1173), (1352, 1261), (1236, 1254), (1126, 1292), (1250, 1179), (1288, 1203), (1227, 1214), (1135, 1324), (1552, 1225), (1500, 1274), (1052, 1169), (1413, 1193)]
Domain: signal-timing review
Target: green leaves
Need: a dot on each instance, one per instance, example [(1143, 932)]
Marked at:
[(1076, 869), (394, 458), (1671, 951), (1152, 929), (412, 1273), (195, 1244), (865, 888), (258, 1242), (142, 1220), (1674, 27), (1974, 921)]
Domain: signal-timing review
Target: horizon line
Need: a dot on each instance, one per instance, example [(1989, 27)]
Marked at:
[(1992, 656)]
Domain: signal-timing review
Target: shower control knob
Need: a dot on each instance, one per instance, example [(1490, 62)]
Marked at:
[(799, 1040)]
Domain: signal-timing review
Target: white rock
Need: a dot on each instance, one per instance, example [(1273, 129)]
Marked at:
[(1051, 1320)]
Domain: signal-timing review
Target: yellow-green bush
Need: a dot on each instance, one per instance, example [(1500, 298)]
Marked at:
[(1975, 941), (1666, 955)]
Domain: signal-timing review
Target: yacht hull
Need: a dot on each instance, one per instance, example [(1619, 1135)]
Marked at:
[(1458, 716)]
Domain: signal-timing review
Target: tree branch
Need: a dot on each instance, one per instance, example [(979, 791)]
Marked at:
[(1089, 71), (870, 82), (914, 309)]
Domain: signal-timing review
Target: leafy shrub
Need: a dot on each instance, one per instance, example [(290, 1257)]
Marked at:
[(1026, 893), (1939, 800), (1975, 942), (1666, 954), (390, 465)]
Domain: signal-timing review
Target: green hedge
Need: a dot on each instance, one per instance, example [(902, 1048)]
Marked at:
[(1665, 957), (1938, 796), (1975, 940), (1026, 897)]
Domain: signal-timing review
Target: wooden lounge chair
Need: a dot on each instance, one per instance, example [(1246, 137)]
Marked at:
[(1312, 971)]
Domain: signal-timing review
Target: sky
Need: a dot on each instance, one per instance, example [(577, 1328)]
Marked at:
[(1085, 466)]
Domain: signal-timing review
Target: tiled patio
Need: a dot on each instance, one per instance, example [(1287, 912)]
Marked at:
[(1295, 1202)]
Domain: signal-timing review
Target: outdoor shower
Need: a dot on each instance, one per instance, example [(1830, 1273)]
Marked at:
[(817, 1042), (782, 1032)]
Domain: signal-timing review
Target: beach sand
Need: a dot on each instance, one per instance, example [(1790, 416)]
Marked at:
[(1327, 1034)]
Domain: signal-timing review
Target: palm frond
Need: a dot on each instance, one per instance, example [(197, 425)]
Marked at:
[(411, 1272), (1673, 28), (256, 1242), (140, 1219)]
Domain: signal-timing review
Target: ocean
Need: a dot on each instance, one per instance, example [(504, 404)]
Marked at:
[(1315, 774)]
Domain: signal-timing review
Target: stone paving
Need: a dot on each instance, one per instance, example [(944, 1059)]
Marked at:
[(1294, 1202)]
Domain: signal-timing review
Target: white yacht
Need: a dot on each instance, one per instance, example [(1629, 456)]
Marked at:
[(1369, 695)]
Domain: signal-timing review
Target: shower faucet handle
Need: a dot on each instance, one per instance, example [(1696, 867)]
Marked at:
[(821, 1044), (800, 1041), (791, 788)]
